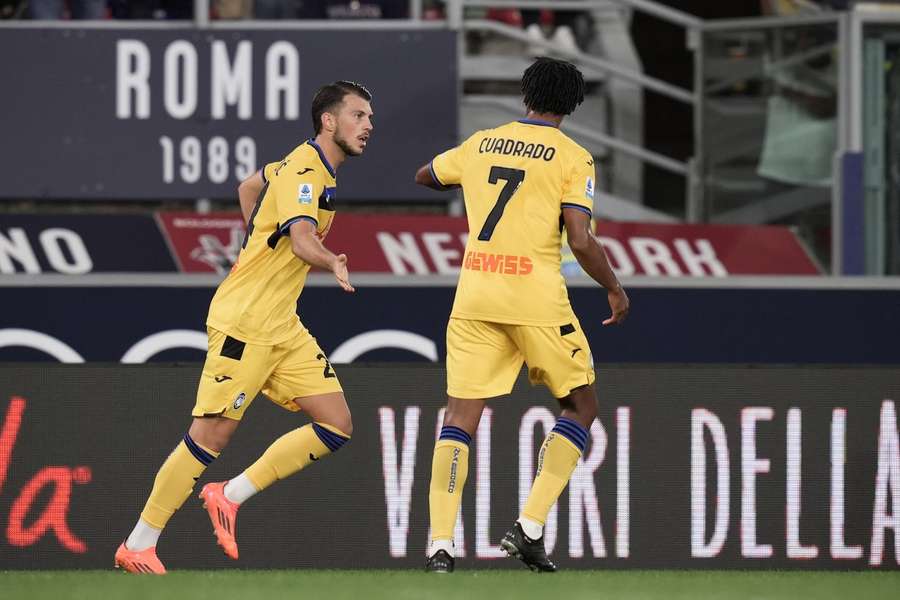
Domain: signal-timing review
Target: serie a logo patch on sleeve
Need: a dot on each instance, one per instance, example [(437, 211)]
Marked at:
[(589, 188), (305, 193)]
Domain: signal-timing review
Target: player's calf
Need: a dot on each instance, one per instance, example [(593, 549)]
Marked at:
[(560, 452), (290, 453), (449, 469)]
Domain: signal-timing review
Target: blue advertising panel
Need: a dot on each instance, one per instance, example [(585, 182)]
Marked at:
[(77, 244), (668, 325), (153, 114)]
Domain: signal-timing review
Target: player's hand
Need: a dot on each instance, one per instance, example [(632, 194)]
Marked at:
[(341, 274), (619, 304)]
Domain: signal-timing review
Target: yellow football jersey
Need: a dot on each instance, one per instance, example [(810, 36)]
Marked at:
[(516, 180), (257, 302)]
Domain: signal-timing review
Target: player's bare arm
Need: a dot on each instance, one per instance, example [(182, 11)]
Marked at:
[(425, 177), (308, 247), (592, 258), (248, 193)]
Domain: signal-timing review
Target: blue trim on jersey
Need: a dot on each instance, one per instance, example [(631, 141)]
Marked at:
[(283, 230), (449, 432), (583, 209), (330, 192), (572, 431), (331, 440), (262, 173), (536, 122), (435, 177), (312, 142), (199, 453)]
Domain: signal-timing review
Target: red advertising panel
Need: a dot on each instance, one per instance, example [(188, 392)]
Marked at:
[(201, 243), (434, 245)]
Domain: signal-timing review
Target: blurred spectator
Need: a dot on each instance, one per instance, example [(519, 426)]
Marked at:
[(152, 9), (366, 9), (331, 9), (572, 30), (793, 7), (281, 9), (51, 10), (12, 9), (233, 9)]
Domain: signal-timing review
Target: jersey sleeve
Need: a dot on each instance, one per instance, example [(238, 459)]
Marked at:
[(447, 167), (578, 189), (297, 196)]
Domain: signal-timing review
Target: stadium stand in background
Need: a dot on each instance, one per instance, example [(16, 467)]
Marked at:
[(735, 148)]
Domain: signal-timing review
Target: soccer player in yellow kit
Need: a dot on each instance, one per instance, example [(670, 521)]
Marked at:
[(256, 340), (522, 182)]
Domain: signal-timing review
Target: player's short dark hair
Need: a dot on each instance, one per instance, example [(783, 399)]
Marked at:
[(329, 96), (552, 86)]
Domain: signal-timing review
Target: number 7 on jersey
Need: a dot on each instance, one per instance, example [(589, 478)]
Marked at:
[(513, 178)]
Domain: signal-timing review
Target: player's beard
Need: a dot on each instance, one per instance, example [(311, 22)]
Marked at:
[(343, 145)]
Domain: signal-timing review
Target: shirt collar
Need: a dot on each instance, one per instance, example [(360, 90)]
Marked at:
[(312, 142), (536, 122)]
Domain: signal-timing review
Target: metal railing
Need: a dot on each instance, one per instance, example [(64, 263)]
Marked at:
[(201, 12), (663, 162), (609, 68)]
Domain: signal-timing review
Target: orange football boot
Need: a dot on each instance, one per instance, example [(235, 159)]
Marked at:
[(223, 516), (143, 562)]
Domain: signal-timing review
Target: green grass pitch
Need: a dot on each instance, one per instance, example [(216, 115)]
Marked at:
[(462, 585)]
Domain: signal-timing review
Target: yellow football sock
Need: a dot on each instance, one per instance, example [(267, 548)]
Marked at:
[(559, 454), (175, 480), (449, 469), (294, 451)]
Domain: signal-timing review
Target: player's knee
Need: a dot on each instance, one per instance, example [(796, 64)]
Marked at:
[(587, 405), (583, 402), (213, 433), (346, 425), (343, 423), (588, 412), (465, 414)]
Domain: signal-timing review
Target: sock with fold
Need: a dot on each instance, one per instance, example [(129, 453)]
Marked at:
[(449, 469), (172, 486), (292, 452), (558, 456)]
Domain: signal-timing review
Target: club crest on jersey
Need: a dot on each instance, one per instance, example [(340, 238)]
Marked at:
[(589, 188), (305, 192), (239, 400)]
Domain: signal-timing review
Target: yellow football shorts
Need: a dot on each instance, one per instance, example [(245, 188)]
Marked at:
[(484, 359), (235, 372)]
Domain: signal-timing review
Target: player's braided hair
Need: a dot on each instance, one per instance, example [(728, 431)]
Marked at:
[(552, 86), (329, 96)]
